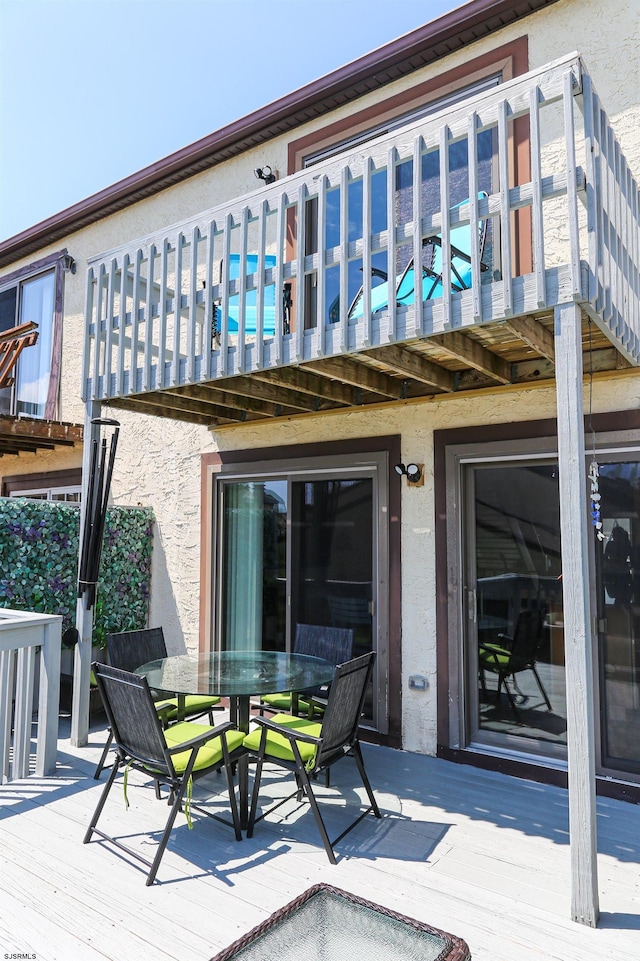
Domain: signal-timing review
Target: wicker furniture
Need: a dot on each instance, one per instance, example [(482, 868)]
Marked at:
[(176, 756), (306, 748), (328, 923)]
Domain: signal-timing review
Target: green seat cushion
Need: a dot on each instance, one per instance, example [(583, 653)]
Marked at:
[(494, 658), (209, 755), (283, 702), (278, 745), (193, 704)]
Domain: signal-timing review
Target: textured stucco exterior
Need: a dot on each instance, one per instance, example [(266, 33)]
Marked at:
[(159, 460)]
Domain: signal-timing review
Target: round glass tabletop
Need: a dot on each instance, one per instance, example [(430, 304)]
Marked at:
[(237, 673)]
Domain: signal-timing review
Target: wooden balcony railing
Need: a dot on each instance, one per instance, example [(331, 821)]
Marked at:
[(29, 676), (312, 267)]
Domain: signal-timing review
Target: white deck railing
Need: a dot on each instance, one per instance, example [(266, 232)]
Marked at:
[(203, 299), (29, 666)]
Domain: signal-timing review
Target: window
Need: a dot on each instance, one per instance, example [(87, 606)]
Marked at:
[(34, 294), (63, 485)]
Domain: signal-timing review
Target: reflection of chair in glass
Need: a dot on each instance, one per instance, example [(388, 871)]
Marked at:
[(176, 756), (514, 655), (432, 286), (306, 748), (331, 643), (128, 650)]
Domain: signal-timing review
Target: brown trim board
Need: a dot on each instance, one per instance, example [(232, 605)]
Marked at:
[(360, 445)]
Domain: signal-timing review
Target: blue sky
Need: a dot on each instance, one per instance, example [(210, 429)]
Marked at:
[(93, 90)]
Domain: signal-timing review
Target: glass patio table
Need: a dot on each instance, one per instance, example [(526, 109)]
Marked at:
[(238, 675)]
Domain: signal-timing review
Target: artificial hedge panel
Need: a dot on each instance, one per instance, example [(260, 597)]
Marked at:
[(39, 563)]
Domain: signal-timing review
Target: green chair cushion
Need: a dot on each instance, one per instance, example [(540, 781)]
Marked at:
[(193, 704), (283, 702), (278, 745), (494, 658), (209, 755)]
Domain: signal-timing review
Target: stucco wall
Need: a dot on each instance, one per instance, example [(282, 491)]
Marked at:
[(159, 461)]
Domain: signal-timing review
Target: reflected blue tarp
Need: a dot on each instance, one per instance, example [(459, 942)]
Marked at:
[(250, 316)]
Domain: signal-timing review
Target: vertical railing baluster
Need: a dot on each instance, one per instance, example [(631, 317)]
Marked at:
[(537, 222), (417, 233), (149, 325), (224, 306), (321, 280), (177, 310), (367, 277), (207, 369), (505, 208), (343, 336), (474, 219), (135, 323), (445, 229), (301, 220), (606, 225), (281, 240), (122, 323), (190, 372), (162, 315), (634, 209), (392, 156), (594, 194), (242, 291), (260, 308), (91, 320), (108, 341), (572, 187), (95, 387)]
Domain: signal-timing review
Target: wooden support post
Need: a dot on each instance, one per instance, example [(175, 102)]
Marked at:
[(84, 615), (574, 529)]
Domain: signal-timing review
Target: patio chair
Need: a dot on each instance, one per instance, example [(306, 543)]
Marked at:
[(175, 756), (306, 748), (514, 655), (331, 643), (432, 284), (128, 650)]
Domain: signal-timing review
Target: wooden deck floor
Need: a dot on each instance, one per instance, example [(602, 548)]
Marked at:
[(481, 855)]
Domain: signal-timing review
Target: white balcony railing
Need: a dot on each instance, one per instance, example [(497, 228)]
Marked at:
[(270, 279), (29, 668)]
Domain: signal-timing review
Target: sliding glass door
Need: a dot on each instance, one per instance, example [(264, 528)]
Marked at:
[(301, 548)]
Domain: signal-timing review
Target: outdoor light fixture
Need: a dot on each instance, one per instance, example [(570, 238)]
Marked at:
[(68, 264), (266, 174), (413, 472)]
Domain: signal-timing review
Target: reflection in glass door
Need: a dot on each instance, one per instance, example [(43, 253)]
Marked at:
[(618, 601), (297, 552), (514, 643)]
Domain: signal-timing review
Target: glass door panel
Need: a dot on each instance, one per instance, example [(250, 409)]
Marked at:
[(332, 550), (618, 598), (515, 643)]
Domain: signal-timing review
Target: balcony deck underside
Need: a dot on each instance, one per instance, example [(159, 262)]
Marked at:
[(503, 354), (22, 435)]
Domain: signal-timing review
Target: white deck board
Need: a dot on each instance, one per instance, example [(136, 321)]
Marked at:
[(478, 854)]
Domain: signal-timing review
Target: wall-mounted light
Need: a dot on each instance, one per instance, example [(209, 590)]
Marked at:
[(68, 263), (266, 174), (413, 473)]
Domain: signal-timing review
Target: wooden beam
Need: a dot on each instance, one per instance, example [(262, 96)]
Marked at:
[(189, 404), (162, 410), (473, 354), (209, 394), (415, 365), (575, 531), (358, 375), (534, 334), (45, 429), (250, 387), (309, 383)]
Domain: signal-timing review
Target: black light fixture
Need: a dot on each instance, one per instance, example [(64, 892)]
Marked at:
[(68, 264), (413, 472), (266, 174)]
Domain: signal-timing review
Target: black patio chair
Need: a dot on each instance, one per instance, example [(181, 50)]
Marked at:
[(306, 748), (175, 756), (334, 644), (128, 650), (515, 654)]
